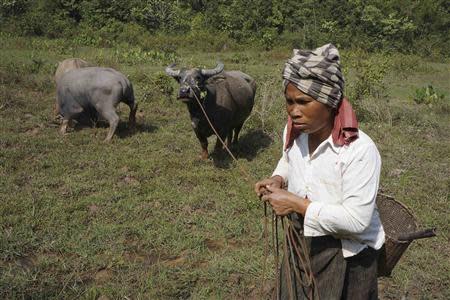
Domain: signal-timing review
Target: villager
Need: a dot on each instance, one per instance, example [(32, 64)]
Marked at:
[(331, 170)]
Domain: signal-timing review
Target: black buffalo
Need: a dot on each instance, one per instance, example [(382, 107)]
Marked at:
[(227, 98)]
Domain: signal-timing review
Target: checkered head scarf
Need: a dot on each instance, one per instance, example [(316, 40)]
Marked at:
[(317, 73)]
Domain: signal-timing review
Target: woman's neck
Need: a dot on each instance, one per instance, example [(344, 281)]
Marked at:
[(317, 137)]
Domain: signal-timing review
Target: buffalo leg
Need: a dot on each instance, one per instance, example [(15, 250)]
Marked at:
[(132, 117), (229, 138), (63, 129), (236, 133), (204, 145), (113, 119), (219, 145)]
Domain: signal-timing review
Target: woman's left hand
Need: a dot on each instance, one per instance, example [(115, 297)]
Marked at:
[(284, 202)]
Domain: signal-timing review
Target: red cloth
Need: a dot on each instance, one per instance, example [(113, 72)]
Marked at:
[(345, 129)]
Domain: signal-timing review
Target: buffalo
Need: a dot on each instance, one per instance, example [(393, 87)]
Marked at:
[(226, 96), (94, 90), (70, 64), (65, 66)]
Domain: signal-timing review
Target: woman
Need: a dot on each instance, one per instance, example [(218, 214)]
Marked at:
[(331, 170)]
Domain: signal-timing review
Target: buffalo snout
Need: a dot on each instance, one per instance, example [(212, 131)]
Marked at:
[(184, 92)]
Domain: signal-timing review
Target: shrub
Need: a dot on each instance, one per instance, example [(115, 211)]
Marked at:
[(163, 84), (268, 38), (366, 75), (427, 95), (239, 58), (155, 86)]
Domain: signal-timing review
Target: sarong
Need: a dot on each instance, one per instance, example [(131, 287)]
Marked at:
[(335, 277)]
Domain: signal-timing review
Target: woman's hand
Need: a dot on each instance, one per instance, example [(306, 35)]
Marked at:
[(261, 186), (284, 202)]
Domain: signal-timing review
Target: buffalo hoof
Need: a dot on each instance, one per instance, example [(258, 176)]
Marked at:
[(63, 129), (204, 155), (107, 140)]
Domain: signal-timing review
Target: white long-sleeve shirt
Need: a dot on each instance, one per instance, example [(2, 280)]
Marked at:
[(342, 183)]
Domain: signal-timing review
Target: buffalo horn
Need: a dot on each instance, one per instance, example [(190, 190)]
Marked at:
[(212, 72), (171, 72)]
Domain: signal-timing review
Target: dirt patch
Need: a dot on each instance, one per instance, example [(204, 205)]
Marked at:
[(235, 279), (103, 275), (176, 261), (215, 245), (141, 257), (202, 264), (125, 169), (396, 172), (130, 180), (93, 210), (33, 131), (26, 263)]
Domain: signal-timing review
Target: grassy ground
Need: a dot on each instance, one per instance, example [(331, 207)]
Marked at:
[(143, 218)]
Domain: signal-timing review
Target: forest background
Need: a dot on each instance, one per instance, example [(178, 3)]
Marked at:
[(400, 25)]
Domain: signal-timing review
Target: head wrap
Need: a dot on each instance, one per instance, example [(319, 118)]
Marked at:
[(317, 73)]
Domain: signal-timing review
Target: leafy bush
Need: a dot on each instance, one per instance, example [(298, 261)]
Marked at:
[(427, 95), (155, 86), (163, 84), (210, 25), (366, 81), (369, 72), (268, 38)]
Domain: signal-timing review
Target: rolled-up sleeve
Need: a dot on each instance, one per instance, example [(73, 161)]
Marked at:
[(353, 215)]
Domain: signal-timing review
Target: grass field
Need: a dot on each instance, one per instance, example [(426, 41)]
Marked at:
[(143, 218)]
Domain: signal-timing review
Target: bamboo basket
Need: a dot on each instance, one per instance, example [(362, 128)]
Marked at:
[(397, 220)]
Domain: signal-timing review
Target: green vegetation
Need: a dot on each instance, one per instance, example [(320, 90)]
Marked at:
[(143, 217), (428, 95), (399, 25)]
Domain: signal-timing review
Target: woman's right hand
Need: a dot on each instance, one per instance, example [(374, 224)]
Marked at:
[(275, 181)]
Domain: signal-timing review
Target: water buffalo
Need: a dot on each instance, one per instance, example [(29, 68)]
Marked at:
[(70, 64), (227, 98), (95, 89), (65, 66)]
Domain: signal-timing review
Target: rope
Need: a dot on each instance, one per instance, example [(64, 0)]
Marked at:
[(247, 175), (289, 243)]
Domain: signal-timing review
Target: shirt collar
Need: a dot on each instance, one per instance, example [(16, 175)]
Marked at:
[(329, 140), (333, 146)]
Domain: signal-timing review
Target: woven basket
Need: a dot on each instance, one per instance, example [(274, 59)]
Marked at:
[(396, 219)]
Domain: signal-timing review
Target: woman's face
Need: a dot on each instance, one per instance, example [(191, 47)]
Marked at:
[(307, 114)]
